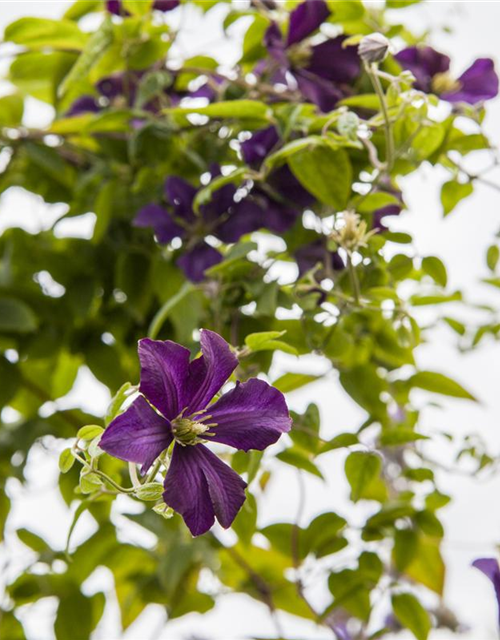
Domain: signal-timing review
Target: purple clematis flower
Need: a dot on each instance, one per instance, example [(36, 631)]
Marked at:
[(431, 70), (320, 72), (115, 6), (285, 184), (174, 408), (309, 255), (223, 217), (491, 569)]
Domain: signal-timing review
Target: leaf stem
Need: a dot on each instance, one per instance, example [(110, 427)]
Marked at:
[(372, 71)]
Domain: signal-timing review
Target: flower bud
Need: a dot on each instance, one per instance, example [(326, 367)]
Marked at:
[(348, 124), (373, 48), (149, 491)]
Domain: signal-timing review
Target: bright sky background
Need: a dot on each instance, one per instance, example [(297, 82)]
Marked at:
[(472, 521)]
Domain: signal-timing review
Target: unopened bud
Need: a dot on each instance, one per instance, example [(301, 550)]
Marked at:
[(373, 48), (348, 124), (149, 491)]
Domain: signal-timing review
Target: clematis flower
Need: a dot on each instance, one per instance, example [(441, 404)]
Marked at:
[(313, 253), (432, 72), (174, 409), (282, 181), (491, 569), (320, 72), (223, 217), (115, 6)]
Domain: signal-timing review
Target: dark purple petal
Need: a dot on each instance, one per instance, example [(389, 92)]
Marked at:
[(341, 631), (85, 104), (314, 253), (478, 83), (286, 184), (331, 61), (490, 568), (388, 210), (222, 200), (196, 261), (305, 19), (247, 216), (273, 41), (165, 5), (138, 435), (253, 415), (323, 93), (276, 216), (115, 7), (180, 194), (210, 371), (256, 148), (164, 371), (201, 487), (160, 220), (424, 63), (112, 86)]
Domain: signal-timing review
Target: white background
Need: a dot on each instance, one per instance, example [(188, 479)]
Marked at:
[(472, 521)]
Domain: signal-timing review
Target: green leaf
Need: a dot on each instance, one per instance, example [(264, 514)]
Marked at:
[(368, 101), (37, 33), (66, 460), (266, 341), (434, 267), (452, 193), (291, 381), (116, 402), (439, 383), (11, 380), (81, 8), (162, 315), (95, 48), (324, 172), (16, 316), (411, 615), (11, 110), (73, 608), (492, 257), (298, 458), (32, 540), (361, 469), (427, 566), (234, 109), (89, 432)]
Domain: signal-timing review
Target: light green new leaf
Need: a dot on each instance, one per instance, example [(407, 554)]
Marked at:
[(434, 267), (292, 381), (37, 33), (361, 469), (266, 341), (439, 383), (234, 109), (16, 316), (411, 615), (452, 193)]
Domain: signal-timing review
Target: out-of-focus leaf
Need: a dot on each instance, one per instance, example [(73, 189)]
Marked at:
[(439, 383), (411, 615)]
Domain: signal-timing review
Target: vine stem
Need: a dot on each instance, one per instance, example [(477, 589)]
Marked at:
[(354, 279), (372, 71)]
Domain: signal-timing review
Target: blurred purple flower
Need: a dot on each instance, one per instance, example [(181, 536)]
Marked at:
[(320, 71), (174, 407), (313, 253), (432, 72), (224, 217), (490, 568)]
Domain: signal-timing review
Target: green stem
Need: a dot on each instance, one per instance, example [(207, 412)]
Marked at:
[(372, 71), (102, 475), (354, 279)]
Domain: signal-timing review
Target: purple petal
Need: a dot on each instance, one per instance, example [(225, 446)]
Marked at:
[(139, 435), (256, 148), (305, 19), (286, 184), (85, 104), (313, 253), (253, 415), (165, 5), (317, 90), (196, 261), (201, 487), (180, 194), (115, 7), (112, 86), (278, 217), (210, 371), (478, 83), (273, 41), (388, 210), (164, 371), (424, 63), (247, 217), (222, 200), (331, 61), (152, 215), (490, 568)]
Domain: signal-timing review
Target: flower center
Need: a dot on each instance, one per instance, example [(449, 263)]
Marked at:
[(299, 54), (187, 431), (444, 83)]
